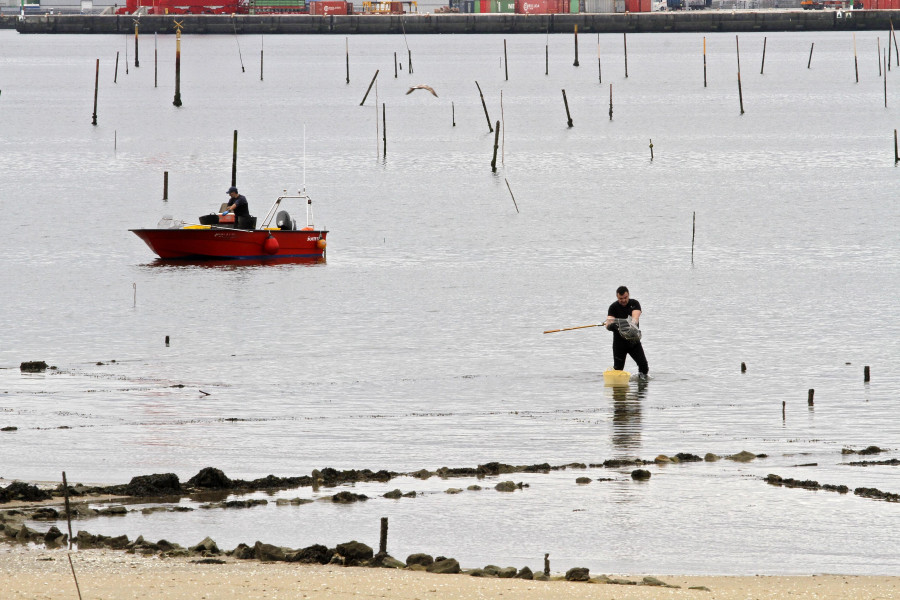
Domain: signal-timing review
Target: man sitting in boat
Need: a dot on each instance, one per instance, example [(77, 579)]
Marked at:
[(238, 204)]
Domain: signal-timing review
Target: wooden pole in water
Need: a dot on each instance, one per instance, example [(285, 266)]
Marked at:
[(96, 85), (517, 206), (763, 65), (566, 102), (384, 129), (625, 44), (503, 132), (126, 54), (453, 112), (809, 396), (155, 61), (395, 65), (783, 404), (885, 81), (651, 149), (177, 100), (896, 154), (704, 61), (866, 374), (879, 56), (737, 44), (496, 143), (116, 73), (409, 68), (599, 67), (610, 102), (505, 63), (575, 64), (167, 341), (165, 185), (484, 106), (137, 62), (896, 48), (347, 56), (382, 540), (547, 564), (855, 59), (811, 46), (234, 160), (889, 52), (546, 59), (693, 235), (68, 510), (371, 83), (261, 43), (743, 367)]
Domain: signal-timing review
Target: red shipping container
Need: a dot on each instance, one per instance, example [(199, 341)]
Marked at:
[(541, 7), (328, 7), (485, 6)]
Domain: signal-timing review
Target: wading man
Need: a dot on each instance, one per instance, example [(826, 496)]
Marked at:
[(630, 343)]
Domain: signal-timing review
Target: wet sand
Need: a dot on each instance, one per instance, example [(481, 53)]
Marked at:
[(35, 573)]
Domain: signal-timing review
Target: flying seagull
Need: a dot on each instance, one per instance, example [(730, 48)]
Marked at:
[(422, 87)]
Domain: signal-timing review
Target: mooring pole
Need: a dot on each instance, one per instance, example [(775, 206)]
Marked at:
[(813, 45), (369, 89), (155, 61), (599, 66), (165, 185), (234, 160), (505, 63), (855, 59), (625, 44), (610, 102), (575, 64), (496, 145), (762, 66), (347, 55), (384, 129), (137, 62), (896, 154), (566, 102), (116, 73), (382, 541), (704, 61), (395, 65), (484, 106), (177, 100), (96, 85), (740, 91)]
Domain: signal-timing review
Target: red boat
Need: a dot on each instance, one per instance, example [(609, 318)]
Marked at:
[(224, 236)]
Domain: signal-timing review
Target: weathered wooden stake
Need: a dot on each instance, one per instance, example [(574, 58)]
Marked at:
[(651, 149), (693, 235), (347, 55), (599, 67), (68, 511), (762, 66), (885, 80), (811, 46), (896, 154), (866, 374), (371, 83), (514, 199), (234, 160), (126, 55), (453, 112), (783, 405), (503, 132), (382, 541), (610, 102), (177, 100), (547, 564), (625, 44), (547, 59), (879, 57), (566, 102), (116, 73), (137, 62), (72, 566), (889, 52), (809, 396), (496, 145), (155, 61), (704, 61), (896, 47), (409, 68), (167, 341), (165, 185), (96, 85), (260, 58), (505, 63), (384, 129), (395, 65), (743, 367), (575, 64), (737, 44), (484, 106)]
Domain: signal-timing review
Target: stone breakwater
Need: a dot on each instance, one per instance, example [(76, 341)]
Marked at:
[(659, 22)]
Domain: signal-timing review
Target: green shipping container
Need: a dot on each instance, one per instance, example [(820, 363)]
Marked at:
[(503, 6), (573, 6)]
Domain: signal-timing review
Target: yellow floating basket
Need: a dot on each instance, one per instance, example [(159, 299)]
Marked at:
[(196, 226), (613, 377)]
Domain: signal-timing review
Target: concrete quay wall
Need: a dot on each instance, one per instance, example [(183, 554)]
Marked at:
[(668, 22)]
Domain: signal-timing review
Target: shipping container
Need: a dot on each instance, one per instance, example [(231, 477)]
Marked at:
[(467, 6), (503, 6), (329, 7), (599, 6), (637, 6), (574, 6), (542, 7)]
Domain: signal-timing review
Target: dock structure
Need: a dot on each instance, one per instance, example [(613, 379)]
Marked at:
[(506, 23)]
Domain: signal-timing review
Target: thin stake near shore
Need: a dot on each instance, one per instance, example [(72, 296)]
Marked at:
[(484, 106), (347, 56), (234, 160), (599, 66), (395, 65), (651, 149), (137, 62), (762, 66), (610, 102), (575, 64), (896, 154), (505, 62), (855, 59), (165, 185), (813, 45), (178, 25), (625, 45), (517, 210), (693, 236), (384, 130), (568, 115), (496, 144), (155, 60), (261, 42), (116, 72), (737, 44), (879, 56), (96, 85), (369, 89), (704, 61)]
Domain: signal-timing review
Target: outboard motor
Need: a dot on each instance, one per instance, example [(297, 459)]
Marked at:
[(283, 221)]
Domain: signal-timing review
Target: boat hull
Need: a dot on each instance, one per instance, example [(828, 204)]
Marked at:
[(220, 242)]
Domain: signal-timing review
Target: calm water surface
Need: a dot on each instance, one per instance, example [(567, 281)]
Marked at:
[(418, 343)]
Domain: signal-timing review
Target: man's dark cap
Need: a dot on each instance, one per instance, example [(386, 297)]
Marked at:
[(232, 189)]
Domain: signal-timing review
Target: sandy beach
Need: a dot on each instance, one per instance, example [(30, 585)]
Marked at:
[(35, 573)]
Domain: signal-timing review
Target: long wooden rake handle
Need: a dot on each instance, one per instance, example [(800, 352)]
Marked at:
[(571, 328)]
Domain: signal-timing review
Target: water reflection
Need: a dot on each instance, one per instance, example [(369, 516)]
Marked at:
[(626, 420), (233, 264)]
